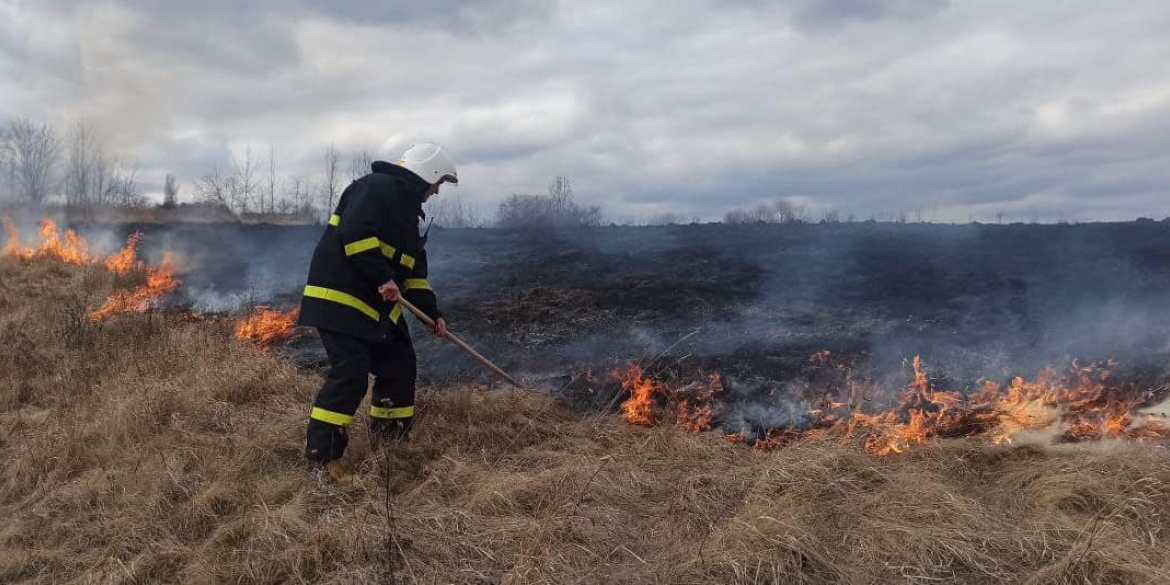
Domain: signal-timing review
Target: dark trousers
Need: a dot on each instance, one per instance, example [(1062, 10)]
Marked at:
[(351, 361)]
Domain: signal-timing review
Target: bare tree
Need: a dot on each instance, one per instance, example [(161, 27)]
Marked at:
[(780, 211), (452, 212), (271, 179), (329, 192), (667, 218), (80, 174), (359, 164), (560, 190), (556, 209), (123, 188), (7, 168), (243, 181), (213, 188), (301, 200), (170, 191), (33, 151), (92, 177), (89, 171)]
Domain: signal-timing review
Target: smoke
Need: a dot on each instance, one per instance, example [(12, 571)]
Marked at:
[(753, 302), (760, 406)]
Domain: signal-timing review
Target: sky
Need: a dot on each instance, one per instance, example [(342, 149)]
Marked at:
[(942, 110)]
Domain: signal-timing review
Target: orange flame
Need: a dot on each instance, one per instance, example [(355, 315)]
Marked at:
[(266, 326), (160, 280), (693, 404), (12, 247), (127, 258), (638, 408), (73, 250), (69, 247), (1079, 406)]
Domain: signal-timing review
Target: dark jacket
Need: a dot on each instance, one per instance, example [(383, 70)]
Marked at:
[(372, 237)]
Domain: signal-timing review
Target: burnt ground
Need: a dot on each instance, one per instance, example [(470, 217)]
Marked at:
[(756, 301)]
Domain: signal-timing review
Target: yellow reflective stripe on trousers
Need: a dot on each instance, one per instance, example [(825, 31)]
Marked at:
[(334, 220), (361, 246), (407, 260), (395, 313), (387, 249), (383, 412), (333, 418), (417, 284), (336, 296)]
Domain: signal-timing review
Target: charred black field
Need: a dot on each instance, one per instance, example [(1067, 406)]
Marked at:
[(752, 301)]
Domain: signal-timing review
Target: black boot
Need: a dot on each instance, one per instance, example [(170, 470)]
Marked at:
[(324, 441), (390, 430)]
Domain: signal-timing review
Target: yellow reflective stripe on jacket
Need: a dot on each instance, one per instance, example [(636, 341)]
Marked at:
[(369, 244), (383, 412), (417, 284), (333, 418), (336, 296), (395, 313), (372, 242), (334, 220), (361, 246)]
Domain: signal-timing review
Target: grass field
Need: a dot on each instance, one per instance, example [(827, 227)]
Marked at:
[(154, 448)]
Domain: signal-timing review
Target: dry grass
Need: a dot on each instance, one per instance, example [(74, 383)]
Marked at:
[(148, 450)]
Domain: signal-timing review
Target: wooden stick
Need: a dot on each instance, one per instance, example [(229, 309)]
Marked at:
[(461, 344)]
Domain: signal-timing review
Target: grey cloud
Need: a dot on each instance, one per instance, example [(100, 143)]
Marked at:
[(815, 14), (820, 15), (872, 107), (491, 17)]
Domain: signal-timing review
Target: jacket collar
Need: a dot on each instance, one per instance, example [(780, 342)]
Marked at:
[(417, 186)]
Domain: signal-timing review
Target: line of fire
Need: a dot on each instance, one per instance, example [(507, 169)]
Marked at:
[(826, 394)]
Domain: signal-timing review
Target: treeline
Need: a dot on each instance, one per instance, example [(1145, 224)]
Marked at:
[(39, 164), (37, 161), (250, 188)]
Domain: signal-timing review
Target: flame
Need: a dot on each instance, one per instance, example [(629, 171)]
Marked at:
[(696, 418), (127, 258), (266, 326), (160, 280), (69, 248), (693, 404), (639, 407), (12, 247), (1081, 405), (73, 250)]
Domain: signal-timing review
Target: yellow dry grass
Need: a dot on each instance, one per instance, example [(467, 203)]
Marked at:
[(151, 450)]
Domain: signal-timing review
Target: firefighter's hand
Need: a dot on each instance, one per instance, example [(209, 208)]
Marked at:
[(389, 292), (440, 328)]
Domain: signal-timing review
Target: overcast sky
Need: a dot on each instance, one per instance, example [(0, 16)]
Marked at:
[(1059, 109)]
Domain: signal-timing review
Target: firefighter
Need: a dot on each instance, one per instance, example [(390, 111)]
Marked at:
[(370, 256)]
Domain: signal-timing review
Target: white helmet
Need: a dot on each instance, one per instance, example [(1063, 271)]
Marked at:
[(430, 162)]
